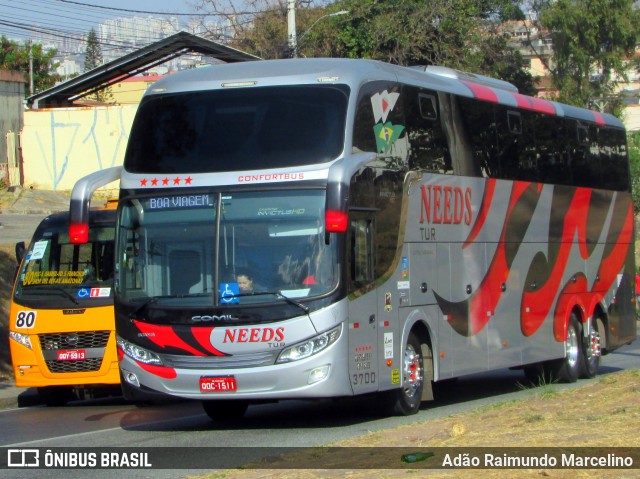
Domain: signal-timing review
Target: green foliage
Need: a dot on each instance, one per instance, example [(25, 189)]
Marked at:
[(454, 33), (14, 56), (409, 32), (633, 141), (592, 42)]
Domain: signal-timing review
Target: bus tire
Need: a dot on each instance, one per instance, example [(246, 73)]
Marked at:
[(566, 369), (225, 411), (55, 395), (406, 400), (591, 351)]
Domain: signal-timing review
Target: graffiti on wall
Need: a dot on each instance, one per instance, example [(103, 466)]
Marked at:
[(62, 145)]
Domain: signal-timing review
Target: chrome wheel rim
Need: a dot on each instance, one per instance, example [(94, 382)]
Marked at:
[(413, 371), (594, 351), (572, 347)]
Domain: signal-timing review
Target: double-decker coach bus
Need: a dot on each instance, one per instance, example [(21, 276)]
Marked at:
[(399, 226)]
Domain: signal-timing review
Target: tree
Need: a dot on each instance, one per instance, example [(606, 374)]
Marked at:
[(634, 165), (93, 59), (593, 46), (454, 33), (93, 52), (14, 56)]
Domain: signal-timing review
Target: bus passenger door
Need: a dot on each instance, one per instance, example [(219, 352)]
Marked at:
[(363, 304)]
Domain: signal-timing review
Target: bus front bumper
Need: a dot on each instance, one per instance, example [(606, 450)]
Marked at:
[(325, 374)]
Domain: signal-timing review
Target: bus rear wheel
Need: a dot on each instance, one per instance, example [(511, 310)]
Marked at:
[(225, 411), (566, 369), (406, 400), (591, 351)]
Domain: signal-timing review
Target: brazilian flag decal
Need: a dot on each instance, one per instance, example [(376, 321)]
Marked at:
[(386, 135)]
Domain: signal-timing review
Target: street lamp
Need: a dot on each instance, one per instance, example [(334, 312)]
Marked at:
[(295, 41)]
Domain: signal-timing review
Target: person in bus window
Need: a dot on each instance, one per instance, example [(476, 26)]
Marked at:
[(321, 273), (245, 282)]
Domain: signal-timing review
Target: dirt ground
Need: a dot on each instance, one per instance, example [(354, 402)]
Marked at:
[(602, 415), (7, 270)]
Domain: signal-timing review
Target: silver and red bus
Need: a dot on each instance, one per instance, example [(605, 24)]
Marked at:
[(398, 226)]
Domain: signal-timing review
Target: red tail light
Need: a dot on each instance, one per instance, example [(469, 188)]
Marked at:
[(336, 221), (78, 233)]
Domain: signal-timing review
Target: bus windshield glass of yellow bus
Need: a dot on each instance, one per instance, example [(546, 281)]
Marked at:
[(64, 275)]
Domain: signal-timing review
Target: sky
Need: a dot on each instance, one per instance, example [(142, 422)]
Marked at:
[(24, 18)]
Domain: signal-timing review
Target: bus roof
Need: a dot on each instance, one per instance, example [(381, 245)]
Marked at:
[(356, 72)]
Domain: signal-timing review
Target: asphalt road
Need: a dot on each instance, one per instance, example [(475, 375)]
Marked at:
[(111, 422), (17, 227)]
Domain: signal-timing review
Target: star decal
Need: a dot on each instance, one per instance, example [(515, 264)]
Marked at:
[(166, 181)]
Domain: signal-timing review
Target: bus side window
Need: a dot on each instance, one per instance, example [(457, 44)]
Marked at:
[(428, 149), (362, 252), (479, 122)]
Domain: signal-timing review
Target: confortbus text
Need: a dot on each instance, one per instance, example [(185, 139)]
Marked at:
[(562, 460)]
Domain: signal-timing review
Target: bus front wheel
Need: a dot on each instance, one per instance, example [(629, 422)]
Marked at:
[(406, 400)]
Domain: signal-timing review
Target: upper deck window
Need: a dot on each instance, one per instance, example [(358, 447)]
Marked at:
[(238, 129)]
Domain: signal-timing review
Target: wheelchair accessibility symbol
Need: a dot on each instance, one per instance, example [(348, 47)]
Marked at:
[(229, 293), (83, 293)]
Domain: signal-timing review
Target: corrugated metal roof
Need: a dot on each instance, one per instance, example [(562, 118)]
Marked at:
[(134, 63)]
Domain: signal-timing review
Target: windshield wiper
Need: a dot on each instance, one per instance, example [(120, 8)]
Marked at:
[(49, 287), (155, 299), (277, 294)]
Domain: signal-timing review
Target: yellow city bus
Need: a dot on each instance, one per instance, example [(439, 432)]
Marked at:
[(61, 321)]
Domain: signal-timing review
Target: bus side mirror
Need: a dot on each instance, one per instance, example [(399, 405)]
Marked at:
[(21, 249)]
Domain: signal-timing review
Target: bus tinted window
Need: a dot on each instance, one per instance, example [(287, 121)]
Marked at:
[(407, 132), (213, 131), (523, 145), (480, 126)]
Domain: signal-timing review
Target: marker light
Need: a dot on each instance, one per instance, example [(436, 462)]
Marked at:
[(78, 233), (336, 221), (237, 84)]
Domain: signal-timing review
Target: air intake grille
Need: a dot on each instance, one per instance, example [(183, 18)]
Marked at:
[(83, 340), (91, 364)]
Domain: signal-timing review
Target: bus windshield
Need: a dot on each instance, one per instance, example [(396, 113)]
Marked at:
[(59, 274), (243, 129), (265, 247)]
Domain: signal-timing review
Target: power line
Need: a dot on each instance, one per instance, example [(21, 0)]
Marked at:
[(139, 11)]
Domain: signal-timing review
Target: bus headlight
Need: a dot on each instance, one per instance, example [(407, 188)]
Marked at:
[(310, 346), (139, 354), (21, 338)]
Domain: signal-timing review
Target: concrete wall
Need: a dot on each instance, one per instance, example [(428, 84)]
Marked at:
[(631, 118), (11, 106), (61, 145)]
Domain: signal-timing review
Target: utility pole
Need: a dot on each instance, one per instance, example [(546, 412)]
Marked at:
[(291, 28), (30, 69)]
